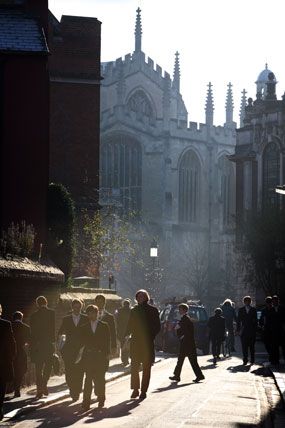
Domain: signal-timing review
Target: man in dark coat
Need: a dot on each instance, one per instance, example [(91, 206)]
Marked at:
[(70, 327), (22, 335), (185, 333), (143, 326), (95, 338), (246, 328), (42, 325), (7, 354), (123, 316), (278, 329), (108, 318), (217, 327), (229, 314)]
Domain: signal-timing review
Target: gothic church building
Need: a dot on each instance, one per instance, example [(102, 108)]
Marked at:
[(174, 172)]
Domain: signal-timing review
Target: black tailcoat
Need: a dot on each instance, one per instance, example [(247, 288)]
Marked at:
[(22, 334), (8, 351), (42, 324), (96, 346)]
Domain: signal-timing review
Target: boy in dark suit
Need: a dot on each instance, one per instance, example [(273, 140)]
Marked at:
[(95, 337), (22, 334), (71, 327), (217, 327), (246, 328), (7, 354), (185, 332), (42, 343), (108, 318)]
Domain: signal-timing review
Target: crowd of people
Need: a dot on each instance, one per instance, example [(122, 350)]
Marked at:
[(86, 341)]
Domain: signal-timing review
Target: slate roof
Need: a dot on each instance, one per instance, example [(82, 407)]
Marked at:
[(20, 32)]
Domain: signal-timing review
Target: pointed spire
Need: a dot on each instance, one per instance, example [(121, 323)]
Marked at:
[(242, 108), (209, 109), (138, 32), (176, 73), (229, 105)]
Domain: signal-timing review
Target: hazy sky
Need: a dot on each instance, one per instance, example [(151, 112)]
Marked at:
[(219, 41)]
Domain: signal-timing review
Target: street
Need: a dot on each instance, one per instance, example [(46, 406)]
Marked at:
[(231, 396)]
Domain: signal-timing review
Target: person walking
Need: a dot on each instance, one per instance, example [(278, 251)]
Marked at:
[(143, 326), (229, 314), (42, 323), (278, 330), (123, 316), (7, 354), (265, 324), (246, 328), (70, 327), (105, 316), (95, 337), (22, 335), (217, 327), (185, 333)]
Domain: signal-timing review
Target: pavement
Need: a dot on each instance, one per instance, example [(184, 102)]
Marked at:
[(17, 407)]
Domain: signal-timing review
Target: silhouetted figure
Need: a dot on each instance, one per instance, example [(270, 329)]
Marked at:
[(229, 314), (70, 327), (143, 326), (278, 329), (123, 316), (217, 327), (105, 316), (22, 335), (185, 333), (95, 337), (246, 328), (7, 354), (266, 326), (42, 323)]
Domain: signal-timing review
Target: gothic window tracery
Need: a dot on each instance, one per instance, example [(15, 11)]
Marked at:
[(140, 104), (121, 174), (189, 183), (270, 174)]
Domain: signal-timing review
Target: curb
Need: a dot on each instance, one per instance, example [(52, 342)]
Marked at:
[(17, 413)]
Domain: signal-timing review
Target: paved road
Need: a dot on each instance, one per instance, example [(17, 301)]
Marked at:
[(231, 396)]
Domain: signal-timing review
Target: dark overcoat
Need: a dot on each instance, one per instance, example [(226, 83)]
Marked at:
[(22, 335), (247, 322), (110, 320), (217, 327), (72, 342), (42, 323), (8, 351), (185, 333), (143, 326)]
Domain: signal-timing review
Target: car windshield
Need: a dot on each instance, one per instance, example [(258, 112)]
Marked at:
[(196, 313)]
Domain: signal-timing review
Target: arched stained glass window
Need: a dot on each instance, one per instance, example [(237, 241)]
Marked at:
[(271, 174), (121, 173), (189, 183), (139, 103)]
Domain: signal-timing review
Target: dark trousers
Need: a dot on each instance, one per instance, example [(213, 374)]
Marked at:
[(125, 352), (247, 343), (74, 377), (135, 376), (230, 329), (216, 346), (2, 394), (193, 361), (276, 343), (43, 370), (267, 340), (20, 368), (97, 376)]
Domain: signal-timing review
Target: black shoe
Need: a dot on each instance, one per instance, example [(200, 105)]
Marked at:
[(17, 394), (198, 379), (245, 362), (45, 390), (135, 393), (85, 406), (252, 362), (175, 378), (75, 397), (142, 395), (101, 403), (214, 361)]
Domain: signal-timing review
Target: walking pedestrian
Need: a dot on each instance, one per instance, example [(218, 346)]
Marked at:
[(22, 335), (246, 328), (95, 337), (278, 330), (7, 354), (42, 325), (123, 316), (265, 324), (143, 326), (105, 316), (217, 327), (70, 327), (229, 314), (185, 333)]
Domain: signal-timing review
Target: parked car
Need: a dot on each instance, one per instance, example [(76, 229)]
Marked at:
[(167, 339)]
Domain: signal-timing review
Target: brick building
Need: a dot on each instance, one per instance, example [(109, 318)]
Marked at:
[(24, 113), (75, 106)]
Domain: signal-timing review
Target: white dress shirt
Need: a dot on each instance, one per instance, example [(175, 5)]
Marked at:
[(76, 319), (94, 325)]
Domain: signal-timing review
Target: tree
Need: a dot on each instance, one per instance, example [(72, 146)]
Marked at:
[(61, 222), (263, 248)]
